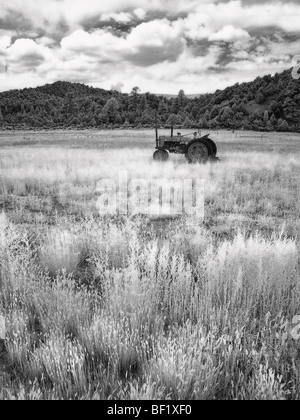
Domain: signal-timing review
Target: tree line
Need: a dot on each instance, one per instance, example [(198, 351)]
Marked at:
[(269, 103)]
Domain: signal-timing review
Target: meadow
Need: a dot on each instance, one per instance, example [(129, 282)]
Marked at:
[(107, 307)]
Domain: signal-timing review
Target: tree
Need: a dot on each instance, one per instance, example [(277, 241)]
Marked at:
[(118, 119), (256, 115), (75, 121), (135, 91), (103, 119), (176, 105), (215, 112), (214, 123), (259, 97), (182, 99), (62, 104), (70, 104), (283, 125), (227, 114), (203, 123), (269, 126), (188, 123), (173, 120), (276, 109), (143, 103), (163, 109), (134, 99), (93, 122), (126, 124), (291, 110), (266, 116), (146, 119), (273, 121), (110, 110)]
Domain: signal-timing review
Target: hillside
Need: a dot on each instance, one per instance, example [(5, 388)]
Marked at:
[(269, 103)]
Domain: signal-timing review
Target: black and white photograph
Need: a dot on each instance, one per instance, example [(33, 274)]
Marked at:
[(149, 203)]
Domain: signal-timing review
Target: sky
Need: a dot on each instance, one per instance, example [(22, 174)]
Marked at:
[(161, 46)]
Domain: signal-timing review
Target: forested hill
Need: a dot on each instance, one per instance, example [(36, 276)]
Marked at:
[(268, 103)]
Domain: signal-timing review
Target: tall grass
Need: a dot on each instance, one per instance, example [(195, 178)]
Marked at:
[(155, 326), (129, 308)]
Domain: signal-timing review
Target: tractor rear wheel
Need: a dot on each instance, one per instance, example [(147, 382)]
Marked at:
[(198, 152), (213, 146), (161, 156)]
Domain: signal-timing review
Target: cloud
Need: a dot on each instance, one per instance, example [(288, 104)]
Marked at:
[(213, 14), (25, 55), (140, 13), (154, 42), (23, 48), (118, 87), (124, 17), (160, 45), (100, 44), (209, 20), (5, 41), (147, 44), (46, 41), (230, 34), (118, 17)]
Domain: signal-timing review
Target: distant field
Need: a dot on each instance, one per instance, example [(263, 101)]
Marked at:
[(228, 141), (56, 172), (134, 308)]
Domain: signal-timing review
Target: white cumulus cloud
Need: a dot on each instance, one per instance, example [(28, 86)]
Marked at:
[(159, 45), (230, 34)]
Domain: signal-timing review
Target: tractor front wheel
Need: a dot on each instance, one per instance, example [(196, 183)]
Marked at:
[(161, 156)]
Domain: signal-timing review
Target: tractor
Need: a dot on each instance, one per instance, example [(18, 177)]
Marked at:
[(196, 149)]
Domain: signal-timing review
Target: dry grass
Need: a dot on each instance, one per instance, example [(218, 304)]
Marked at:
[(126, 308)]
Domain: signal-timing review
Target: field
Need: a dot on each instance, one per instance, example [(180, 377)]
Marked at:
[(101, 307)]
